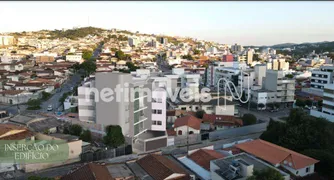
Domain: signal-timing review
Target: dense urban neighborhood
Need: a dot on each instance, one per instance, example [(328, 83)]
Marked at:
[(269, 115)]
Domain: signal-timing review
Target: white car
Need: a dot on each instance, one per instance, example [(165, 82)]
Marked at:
[(50, 108)]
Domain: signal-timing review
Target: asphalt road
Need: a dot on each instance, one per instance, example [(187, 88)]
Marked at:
[(66, 87), (265, 115)]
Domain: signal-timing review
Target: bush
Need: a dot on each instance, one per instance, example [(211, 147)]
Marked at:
[(45, 95), (75, 130), (248, 119), (200, 114), (86, 136), (114, 136), (34, 104)]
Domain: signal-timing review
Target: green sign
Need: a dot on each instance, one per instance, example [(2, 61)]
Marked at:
[(33, 151)]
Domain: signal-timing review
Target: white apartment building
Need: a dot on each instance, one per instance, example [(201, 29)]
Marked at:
[(236, 48), (133, 41), (322, 76), (86, 103), (250, 56), (6, 40), (264, 97), (260, 73), (327, 111), (74, 58), (285, 88), (246, 79), (222, 69)]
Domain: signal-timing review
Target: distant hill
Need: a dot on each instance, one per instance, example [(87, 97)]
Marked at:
[(75, 33)]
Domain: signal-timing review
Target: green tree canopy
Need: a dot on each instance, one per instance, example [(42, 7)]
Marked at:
[(307, 135), (300, 103), (290, 76), (120, 55), (248, 119), (34, 104), (200, 114), (266, 174), (87, 55), (114, 136), (75, 130), (86, 136)]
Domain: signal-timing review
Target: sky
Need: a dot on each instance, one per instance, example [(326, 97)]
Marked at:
[(245, 23)]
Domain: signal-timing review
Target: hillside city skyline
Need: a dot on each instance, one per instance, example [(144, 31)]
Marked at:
[(224, 22)]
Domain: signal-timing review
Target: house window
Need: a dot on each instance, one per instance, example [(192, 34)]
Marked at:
[(183, 108), (179, 132), (157, 111), (297, 172), (159, 123), (307, 169), (154, 122)]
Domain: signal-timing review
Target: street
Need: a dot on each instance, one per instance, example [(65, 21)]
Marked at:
[(265, 115), (66, 87)]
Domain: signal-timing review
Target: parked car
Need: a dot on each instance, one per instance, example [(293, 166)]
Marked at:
[(50, 108)]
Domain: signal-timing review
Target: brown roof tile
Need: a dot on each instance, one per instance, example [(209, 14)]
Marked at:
[(203, 157), (190, 121), (4, 128), (89, 171), (276, 154), (11, 92), (222, 120), (160, 167)]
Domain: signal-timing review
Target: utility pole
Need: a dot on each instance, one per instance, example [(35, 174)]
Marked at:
[(187, 139)]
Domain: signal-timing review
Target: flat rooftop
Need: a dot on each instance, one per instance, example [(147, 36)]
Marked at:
[(119, 171), (243, 158)]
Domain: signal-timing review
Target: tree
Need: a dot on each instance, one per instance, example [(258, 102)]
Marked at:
[(308, 103), (261, 105), (266, 174), (114, 136), (196, 51), (45, 95), (75, 130), (66, 130), (188, 57), (305, 134), (120, 55), (320, 103), (87, 55), (300, 103), (290, 76), (34, 104), (248, 119), (89, 66), (86, 136), (131, 66), (200, 114)]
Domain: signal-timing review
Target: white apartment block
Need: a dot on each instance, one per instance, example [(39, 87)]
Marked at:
[(6, 40), (74, 58), (86, 102), (285, 88), (327, 111), (264, 97), (246, 79), (260, 73), (322, 76)]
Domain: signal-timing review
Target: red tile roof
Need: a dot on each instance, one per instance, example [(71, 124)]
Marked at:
[(5, 128), (203, 157), (11, 92), (190, 121), (276, 154), (222, 119), (160, 167), (171, 132), (90, 171)]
